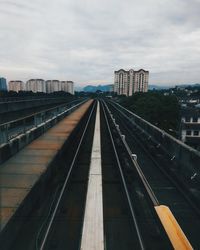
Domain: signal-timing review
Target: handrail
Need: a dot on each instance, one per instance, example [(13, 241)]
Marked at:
[(37, 113), (8, 132), (133, 215), (158, 129), (29, 100)]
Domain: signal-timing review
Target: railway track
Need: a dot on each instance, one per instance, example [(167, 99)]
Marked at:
[(166, 188), (123, 230), (129, 198), (57, 222), (65, 223), (130, 219)]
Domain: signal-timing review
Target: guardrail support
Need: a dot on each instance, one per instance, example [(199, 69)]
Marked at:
[(37, 119), (3, 134)]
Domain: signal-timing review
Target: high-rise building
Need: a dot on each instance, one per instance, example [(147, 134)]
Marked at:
[(56, 86), (36, 85), (3, 85), (70, 87), (53, 86), (16, 86), (64, 86), (40, 85), (129, 82), (67, 86), (48, 86)]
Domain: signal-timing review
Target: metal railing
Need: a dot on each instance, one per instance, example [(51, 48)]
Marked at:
[(187, 157), (12, 129), (29, 98)]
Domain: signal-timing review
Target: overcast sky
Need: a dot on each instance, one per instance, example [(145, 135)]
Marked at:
[(86, 40)]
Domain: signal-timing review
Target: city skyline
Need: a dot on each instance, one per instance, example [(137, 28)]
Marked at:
[(87, 42), (41, 85)]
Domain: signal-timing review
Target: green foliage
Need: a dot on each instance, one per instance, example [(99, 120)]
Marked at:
[(162, 111)]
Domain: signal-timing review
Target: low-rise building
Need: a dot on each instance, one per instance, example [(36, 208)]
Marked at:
[(190, 126)]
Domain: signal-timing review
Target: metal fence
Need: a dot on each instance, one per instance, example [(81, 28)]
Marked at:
[(12, 129), (186, 156)]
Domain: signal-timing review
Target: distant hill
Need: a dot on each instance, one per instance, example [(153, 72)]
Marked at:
[(78, 88), (103, 88), (194, 85), (108, 87), (157, 87)]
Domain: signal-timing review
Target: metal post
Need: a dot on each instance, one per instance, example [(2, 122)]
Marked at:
[(7, 137), (24, 126), (37, 119), (3, 134)]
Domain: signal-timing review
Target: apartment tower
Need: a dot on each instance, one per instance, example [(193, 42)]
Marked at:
[(129, 82)]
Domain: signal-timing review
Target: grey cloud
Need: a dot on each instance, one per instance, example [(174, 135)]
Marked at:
[(87, 40)]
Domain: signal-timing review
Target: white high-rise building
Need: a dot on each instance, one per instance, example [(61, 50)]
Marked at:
[(36, 85), (56, 86), (39, 85), (48, 86), (16, 86), (70, 87), (67, 86), (53, 86), (64, 86), (129, 82)]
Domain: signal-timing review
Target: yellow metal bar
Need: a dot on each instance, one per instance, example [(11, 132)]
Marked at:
[(172, 228)]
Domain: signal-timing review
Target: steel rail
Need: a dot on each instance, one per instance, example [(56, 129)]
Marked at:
[(139, 235), (145, 183), (66, 182)]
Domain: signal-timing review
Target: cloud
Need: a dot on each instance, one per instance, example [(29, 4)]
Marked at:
[(86, 41)]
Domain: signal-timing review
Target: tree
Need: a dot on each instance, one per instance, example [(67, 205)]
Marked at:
[(162, 111)]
